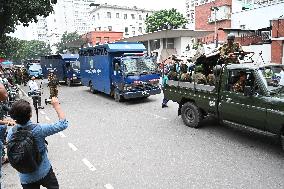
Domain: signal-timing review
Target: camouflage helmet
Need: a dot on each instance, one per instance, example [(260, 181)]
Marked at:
[(199, 68), (231, 36)]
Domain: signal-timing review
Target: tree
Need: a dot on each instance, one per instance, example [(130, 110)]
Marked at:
[(67, 37), (14, 12), (165, 19), (18, 50)]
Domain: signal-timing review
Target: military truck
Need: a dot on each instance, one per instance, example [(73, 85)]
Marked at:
[(258, 106)]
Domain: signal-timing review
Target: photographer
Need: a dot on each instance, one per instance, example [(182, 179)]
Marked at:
[(42, 173), (3, 97), (35, 92)]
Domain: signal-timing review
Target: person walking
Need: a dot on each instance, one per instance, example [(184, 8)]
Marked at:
[(42, 174)]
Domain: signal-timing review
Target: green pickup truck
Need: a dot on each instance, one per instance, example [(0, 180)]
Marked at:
[(257, 105)]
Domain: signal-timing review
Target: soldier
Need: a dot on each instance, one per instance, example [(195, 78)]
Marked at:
[(227, 50), (240, 84), (211, 79), (25, 76), (53, 82), (198, 76)]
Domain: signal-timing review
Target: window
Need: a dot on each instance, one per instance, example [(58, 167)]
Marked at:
[(125, 16), (109, 28), (117, 15), (98, 15), (106, 39), (108, 14), (140, 29), (126, 30), (132, 16), (133, 32), (98, 39), (99, 28), (140, 17), (169, 43)]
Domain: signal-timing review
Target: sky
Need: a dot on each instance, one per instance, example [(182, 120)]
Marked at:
[(149, 4)]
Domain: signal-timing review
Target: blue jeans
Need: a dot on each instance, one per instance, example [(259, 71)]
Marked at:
[(3, 129), (165, 101)]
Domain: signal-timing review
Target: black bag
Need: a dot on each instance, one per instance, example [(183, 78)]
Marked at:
[(22, 150)]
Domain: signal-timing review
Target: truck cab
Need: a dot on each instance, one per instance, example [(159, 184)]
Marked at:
[(120, 70)]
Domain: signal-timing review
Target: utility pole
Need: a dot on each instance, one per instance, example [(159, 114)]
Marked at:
[(215, 9)]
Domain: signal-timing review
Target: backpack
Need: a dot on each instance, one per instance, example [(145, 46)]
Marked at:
[(22, 150)]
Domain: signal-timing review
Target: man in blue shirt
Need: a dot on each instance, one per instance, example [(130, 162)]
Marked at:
[(21, 112)]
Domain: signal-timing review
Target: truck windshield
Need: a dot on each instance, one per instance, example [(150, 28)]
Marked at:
[(75, 65), (271, 84), (35, 67), (139, 65)]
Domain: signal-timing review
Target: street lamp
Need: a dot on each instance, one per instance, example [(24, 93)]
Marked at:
[(215, 9)]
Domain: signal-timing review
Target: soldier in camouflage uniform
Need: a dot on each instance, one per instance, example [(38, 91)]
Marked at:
[(53, 82), (227, 50), (198, 76), (240, 84)]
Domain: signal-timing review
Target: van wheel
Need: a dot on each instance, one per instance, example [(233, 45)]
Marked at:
[(282, 139), (191, 115), (117, 96), (68, 82), (91, 88)]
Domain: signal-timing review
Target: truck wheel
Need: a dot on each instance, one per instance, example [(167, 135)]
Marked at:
[(282, 139), (91, 88), (68, 82), (117, 96), (191, 115)]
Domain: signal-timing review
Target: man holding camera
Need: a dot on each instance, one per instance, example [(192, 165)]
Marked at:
[(35, 92)]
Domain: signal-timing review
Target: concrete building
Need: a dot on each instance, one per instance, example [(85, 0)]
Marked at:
[(168, 42), (129, 20)]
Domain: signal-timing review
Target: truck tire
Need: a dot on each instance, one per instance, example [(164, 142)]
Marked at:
[(68, 82), (191, 115), (282, 139), (117, 96), (91, 88)]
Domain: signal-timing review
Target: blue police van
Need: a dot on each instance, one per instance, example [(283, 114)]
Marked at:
[(119, 69), (65, 66)]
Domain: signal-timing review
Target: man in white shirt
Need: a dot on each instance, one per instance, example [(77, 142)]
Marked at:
[(35, 92), (33, 85)]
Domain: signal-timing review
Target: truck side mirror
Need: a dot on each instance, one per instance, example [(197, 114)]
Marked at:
[(248, 91)]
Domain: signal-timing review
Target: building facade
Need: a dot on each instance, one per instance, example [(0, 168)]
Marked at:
[(129, 20)]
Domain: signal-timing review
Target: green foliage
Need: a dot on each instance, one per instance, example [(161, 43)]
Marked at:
[(14, 12), (18, 50), (165, 19), (67, 37)]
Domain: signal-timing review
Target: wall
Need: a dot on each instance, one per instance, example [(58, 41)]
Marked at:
[(91, 37), (119, 24), (266, 52), (256, 18), (203, 12)]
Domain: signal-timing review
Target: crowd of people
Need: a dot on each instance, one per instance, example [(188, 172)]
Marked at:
[(33, 174)]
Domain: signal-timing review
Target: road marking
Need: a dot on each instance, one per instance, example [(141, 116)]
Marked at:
[(73, 147), (47, 118), (23, 92), (109, 186), (157, 116), (88, 164), (42, 112), (62, 135)]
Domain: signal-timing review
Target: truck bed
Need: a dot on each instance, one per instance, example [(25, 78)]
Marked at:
[(204, 96)]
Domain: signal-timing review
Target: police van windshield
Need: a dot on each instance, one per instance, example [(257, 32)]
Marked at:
[(75, 65), (139, 65)]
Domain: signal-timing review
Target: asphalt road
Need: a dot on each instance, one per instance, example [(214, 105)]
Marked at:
[(137, 144)]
